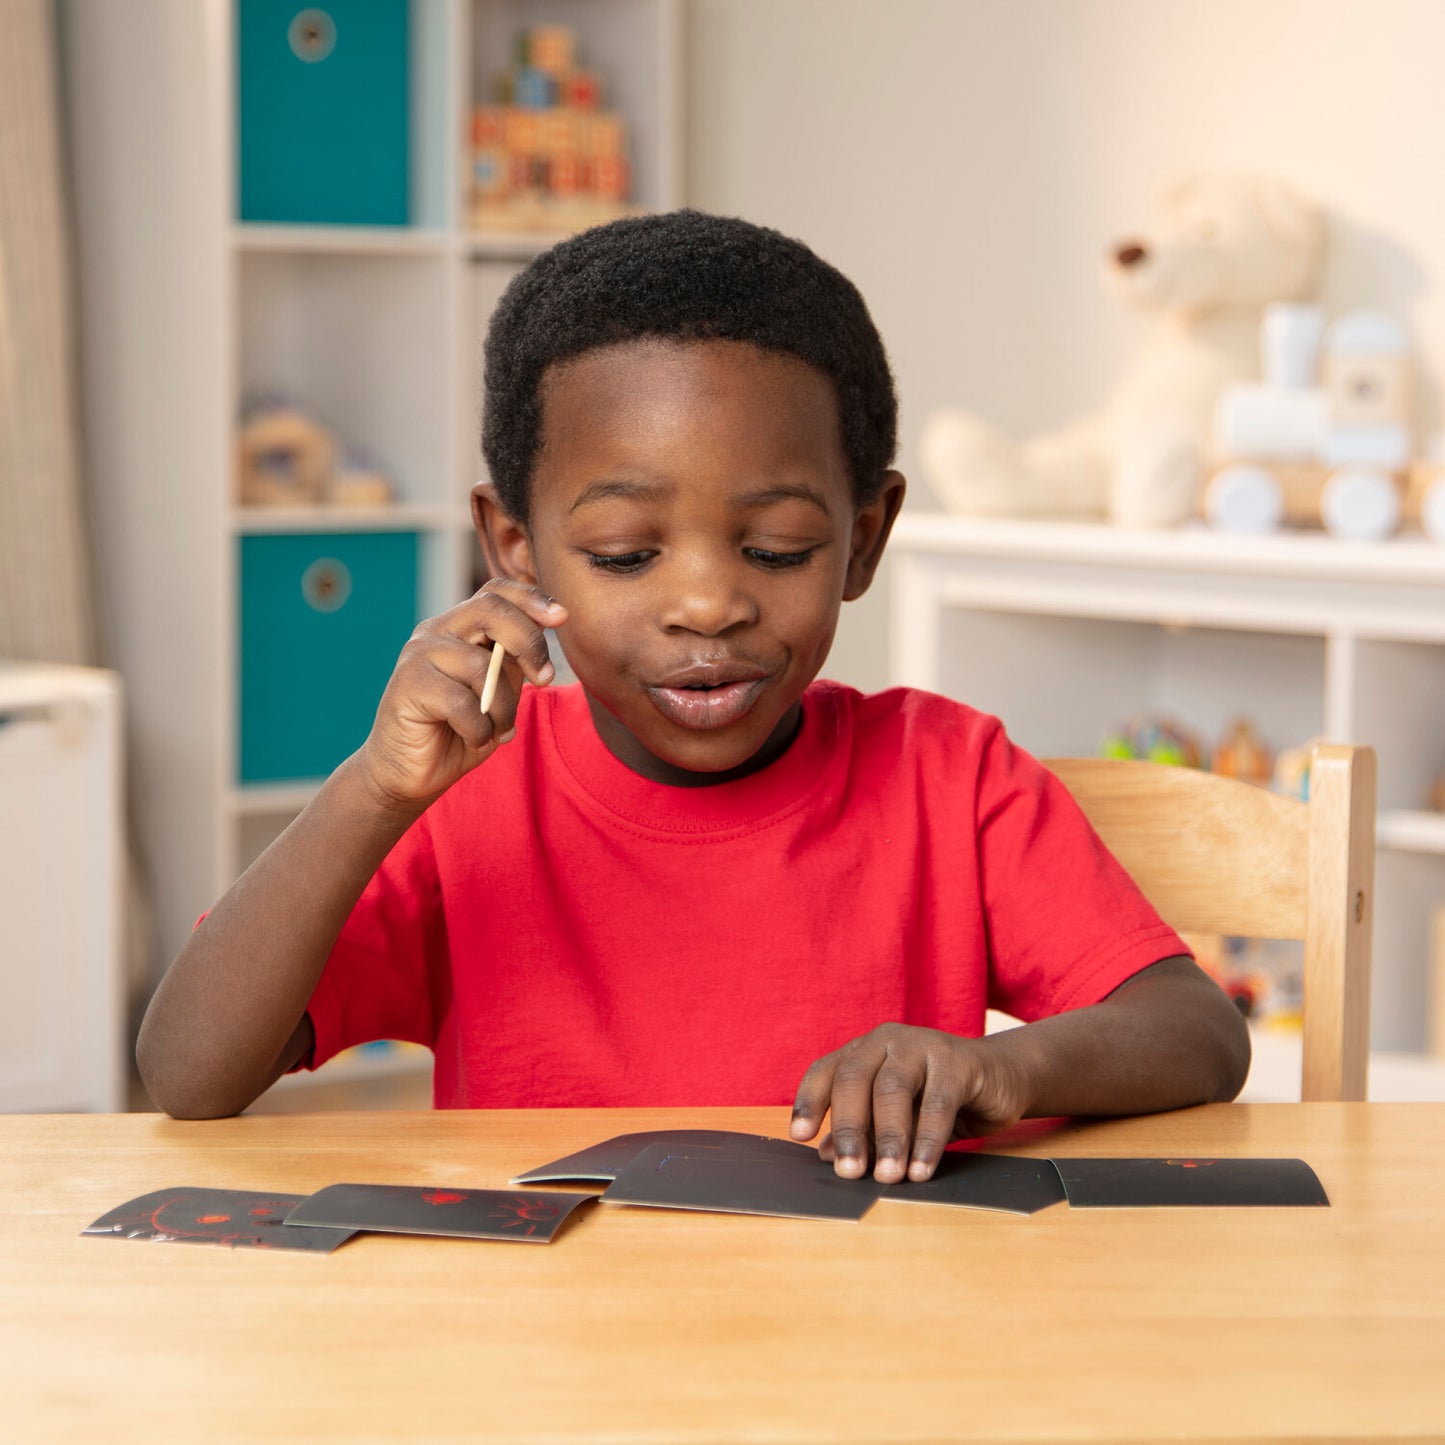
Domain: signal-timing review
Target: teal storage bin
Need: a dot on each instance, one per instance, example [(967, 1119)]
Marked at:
[(323, 105), (323, 617)]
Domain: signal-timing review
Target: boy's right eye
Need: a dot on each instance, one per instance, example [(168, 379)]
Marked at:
[(619, 561)]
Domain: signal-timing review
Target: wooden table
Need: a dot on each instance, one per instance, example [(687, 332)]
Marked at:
[(918, 1323)]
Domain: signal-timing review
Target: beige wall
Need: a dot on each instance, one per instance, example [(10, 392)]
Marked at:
[(966, 161)]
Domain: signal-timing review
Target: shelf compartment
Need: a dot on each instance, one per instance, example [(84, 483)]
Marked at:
[(359, 342), (1399, 708), (362, 131), (322, 619), (323, 111), (1086, 678), (635, 46)]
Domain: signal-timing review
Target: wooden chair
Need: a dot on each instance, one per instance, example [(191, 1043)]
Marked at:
[(1218, 856)]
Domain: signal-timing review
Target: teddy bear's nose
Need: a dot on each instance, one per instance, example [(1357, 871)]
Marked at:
[(1130, 253)]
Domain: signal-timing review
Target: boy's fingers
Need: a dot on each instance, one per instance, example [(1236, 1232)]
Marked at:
[(532, 600), (811, 1102), (934, 1129), (895, 1086), (469, 665), (432, 696), (515, 618), (499, 599), (852, 1108), (474, 727), (519, 635)]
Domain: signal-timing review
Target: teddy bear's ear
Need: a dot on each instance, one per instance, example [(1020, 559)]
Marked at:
[(1298, 224)]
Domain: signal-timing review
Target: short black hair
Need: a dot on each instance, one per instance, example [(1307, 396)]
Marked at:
[(686, 276)]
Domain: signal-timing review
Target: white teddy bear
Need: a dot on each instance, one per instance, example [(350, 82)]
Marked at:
[(1222, 248)]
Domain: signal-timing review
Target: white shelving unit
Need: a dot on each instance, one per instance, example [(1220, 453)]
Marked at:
[(1067, 630), (375, 330)]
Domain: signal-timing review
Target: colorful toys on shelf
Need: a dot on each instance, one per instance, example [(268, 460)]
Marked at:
[(1326, 439), (1292, 770), (286, 458), (1242, 754), (546, 156), (1154, 740)]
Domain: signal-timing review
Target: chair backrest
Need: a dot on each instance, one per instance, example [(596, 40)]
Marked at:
[(1215, 855)]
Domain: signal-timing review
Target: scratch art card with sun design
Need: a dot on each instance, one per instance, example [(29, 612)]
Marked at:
[(533, 1218), (233, 1218)]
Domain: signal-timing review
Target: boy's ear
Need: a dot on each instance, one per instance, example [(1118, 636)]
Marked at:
[(505, 544), (870, 534)]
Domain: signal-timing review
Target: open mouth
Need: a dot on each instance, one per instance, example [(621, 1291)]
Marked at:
[(702, 705)]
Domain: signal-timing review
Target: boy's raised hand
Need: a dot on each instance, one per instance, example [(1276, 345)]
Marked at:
[(901, 1093), (430, 729)]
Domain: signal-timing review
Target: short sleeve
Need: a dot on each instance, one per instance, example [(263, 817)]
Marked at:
[(1066, 924), (386, 973)]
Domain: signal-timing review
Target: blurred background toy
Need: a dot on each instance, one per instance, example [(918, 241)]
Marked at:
[(358, 481), (1154, 740), (1241, 754), (1326, 438), (1425, 497), (546, 156), (1221, 248), (286, 458), (1437, 794), (1292, 770)]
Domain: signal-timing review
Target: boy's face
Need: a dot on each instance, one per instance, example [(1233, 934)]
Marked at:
[(691, 507)]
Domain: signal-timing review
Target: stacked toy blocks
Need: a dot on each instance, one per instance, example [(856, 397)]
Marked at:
[(546, 156)]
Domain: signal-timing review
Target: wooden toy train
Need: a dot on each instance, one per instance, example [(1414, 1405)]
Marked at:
[(1326, 438)]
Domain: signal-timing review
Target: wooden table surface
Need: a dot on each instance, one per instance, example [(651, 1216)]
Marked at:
[(919, 1323)]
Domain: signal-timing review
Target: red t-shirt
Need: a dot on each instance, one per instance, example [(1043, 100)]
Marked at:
[(562, 932)]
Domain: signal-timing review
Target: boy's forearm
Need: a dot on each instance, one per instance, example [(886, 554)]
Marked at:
[(215, 1032), (1166, 1040)]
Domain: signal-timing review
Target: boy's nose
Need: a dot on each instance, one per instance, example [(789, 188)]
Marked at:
[(709, 602)]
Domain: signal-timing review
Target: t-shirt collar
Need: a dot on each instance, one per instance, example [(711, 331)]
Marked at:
[(746, 802)]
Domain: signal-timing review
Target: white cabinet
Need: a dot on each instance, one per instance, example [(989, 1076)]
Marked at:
[(1065, 631), (62, 1028), (377, 330)]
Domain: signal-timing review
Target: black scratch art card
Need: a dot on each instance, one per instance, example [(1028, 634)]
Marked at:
[(1121, 1183), (986, 1181), (233, 1218), (462, 1213), (797, 1186), (606, 1160)]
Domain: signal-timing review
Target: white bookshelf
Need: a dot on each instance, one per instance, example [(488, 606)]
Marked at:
[(1067, 630), (376, 330)]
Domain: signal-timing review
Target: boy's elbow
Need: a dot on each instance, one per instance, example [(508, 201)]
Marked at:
[(1232, 1052), (172, 1092)]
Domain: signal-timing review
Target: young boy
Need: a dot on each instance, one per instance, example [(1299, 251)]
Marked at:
[(699, 871)]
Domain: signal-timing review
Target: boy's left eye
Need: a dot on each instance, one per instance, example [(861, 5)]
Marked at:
[(618, 561), (778, 559)]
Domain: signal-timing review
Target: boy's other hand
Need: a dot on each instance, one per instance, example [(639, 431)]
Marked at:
[(430, 729), (901, 1094)]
